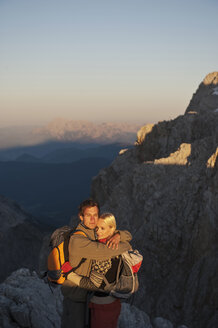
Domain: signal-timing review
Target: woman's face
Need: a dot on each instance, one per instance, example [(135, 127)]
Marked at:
[(103, 230)]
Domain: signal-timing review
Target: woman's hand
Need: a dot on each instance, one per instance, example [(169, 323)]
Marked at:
[(113, 241)]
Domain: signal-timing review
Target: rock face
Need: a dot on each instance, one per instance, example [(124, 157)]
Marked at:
[(27, 301), (165, 191), (20, 238), (206, 97)]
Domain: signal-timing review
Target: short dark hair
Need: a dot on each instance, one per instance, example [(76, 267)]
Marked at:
[(87, 203)]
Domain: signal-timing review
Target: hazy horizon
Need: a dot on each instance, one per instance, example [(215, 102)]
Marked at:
[(46, 122), (117, 61)]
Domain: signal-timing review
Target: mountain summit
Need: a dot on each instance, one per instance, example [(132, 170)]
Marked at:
[(206, 97)]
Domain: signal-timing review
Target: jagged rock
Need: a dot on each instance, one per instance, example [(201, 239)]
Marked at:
[(130, 316), (27, 301), (20, 314), (10, 214), (165, 191), (20, 238), (166, 137), (161, 323), (206, 97)]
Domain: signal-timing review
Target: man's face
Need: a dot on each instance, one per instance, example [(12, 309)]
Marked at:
[(90, 217)]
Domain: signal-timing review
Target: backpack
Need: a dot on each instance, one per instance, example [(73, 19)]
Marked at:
[(58, 259), (127, 279)]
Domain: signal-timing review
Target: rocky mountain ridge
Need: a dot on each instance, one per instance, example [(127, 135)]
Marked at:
[(165, 191), (20, 238), (206, 96)]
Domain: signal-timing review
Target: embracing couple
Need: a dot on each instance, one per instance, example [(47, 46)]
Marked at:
[(93, 253)]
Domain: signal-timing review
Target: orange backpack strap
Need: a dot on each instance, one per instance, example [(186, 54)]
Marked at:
[(80, 232)]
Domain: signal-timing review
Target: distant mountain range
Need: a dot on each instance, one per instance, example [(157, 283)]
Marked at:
[(65, 131), (89, 132)]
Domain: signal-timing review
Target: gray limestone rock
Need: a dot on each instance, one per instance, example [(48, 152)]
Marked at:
[(20, 238), (27, 301), (130, 316), (161, 323), (165, 191), (20, 314), (206, 97)]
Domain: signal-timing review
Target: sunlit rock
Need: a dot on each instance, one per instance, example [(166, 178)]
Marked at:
[(205, 99), (165, 191)]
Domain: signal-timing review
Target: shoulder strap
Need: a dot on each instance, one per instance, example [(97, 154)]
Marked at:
[(118, 269), (79, 232), (66, 243)]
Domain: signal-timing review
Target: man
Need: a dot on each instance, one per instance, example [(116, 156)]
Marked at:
[(83, 249)]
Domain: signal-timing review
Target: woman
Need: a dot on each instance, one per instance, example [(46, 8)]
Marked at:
[(104, 308)]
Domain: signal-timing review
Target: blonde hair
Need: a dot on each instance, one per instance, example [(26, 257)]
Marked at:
[(109, 219)]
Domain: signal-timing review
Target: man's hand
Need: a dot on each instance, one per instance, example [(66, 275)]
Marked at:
[(113, 242)]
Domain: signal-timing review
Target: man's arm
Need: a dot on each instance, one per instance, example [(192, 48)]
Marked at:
[(89, 249), (125, 235), (119, 236)]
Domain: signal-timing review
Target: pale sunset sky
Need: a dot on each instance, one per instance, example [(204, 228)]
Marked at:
[(117, 60)]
